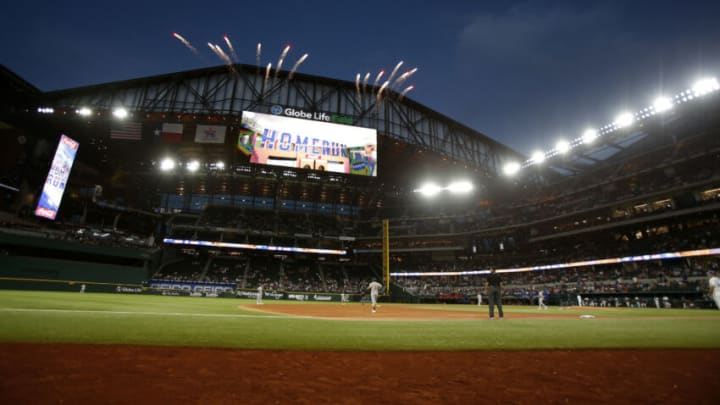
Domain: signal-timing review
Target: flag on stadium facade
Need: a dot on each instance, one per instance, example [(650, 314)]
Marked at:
[(210, 134), (131, 131), (171, 132)]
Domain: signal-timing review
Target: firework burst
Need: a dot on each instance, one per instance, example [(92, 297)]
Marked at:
[(186, 43), (294, 68)]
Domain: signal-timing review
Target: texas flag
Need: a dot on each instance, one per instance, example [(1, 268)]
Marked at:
[(171, 132), (210, 134)]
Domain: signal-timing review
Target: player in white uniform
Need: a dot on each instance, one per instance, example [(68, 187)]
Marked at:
[(541, 300), (259, 300), (714, 287), (479, 299), (374, 288)]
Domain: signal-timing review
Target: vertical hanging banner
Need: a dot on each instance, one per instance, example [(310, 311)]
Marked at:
[(54, 188)]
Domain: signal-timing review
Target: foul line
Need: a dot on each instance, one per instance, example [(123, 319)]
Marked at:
[(100, 312)]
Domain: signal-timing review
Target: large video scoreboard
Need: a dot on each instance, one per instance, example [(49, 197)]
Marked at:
[(308, 144)]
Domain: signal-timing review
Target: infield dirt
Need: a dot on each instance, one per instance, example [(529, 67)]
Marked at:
[(117, 374), (391, 312)]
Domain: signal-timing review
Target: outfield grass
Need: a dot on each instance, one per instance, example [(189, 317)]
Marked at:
[(63, 317)]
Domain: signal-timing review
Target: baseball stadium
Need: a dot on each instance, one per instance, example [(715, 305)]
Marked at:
[(209, 236)]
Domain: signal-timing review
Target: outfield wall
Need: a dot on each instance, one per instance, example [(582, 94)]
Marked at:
[(22, 267), (38, 261)]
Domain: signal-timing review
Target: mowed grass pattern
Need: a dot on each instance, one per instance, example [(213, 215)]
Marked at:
[(93, 318)]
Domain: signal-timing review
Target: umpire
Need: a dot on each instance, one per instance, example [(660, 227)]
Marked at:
[(493, 290)]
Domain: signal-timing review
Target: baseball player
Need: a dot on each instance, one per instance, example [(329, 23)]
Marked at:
[(541, 300), (493, 290), (259, 300), (714, 287), (374, 288)]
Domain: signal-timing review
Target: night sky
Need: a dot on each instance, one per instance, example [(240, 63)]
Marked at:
[(523, 73)]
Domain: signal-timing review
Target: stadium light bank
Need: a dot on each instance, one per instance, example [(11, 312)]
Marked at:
[(457, 187), (566, 265), (120, 113), (193, 166), (167, 164), (624, 120)]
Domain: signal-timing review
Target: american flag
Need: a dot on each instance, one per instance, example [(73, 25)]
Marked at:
[(131, 131)]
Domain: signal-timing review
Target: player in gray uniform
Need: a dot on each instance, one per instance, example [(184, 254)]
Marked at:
[(714, 287), (374, 288), (259, 300), (541, 300)]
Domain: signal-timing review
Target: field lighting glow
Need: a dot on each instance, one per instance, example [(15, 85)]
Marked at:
[(624, 120), (589, 136), (614, 260), (562, 146), (460, 187), (511, 168), (120, 113), (538, 157), (252, 246), (660, 105), (457, 187), (705, 86), (167, 164), (193, 166), (85, 112), (429, 189)]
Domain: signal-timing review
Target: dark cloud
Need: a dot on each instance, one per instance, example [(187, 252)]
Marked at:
[(536, 37)]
